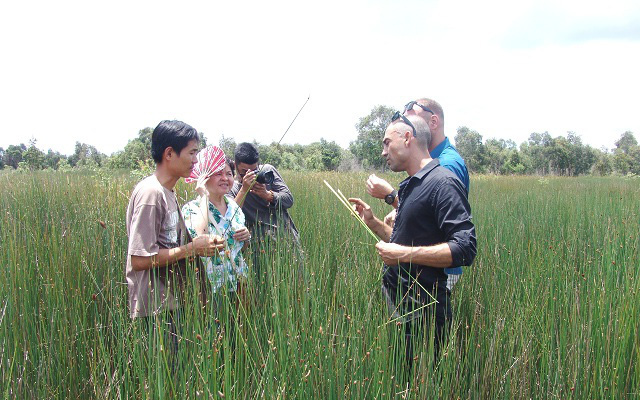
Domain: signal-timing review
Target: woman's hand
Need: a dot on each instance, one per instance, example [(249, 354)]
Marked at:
[(242, 235), (201, 187)]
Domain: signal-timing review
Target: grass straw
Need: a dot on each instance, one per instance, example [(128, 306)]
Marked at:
[(343, 199)]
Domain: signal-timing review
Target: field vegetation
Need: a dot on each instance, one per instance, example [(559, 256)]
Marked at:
[(549, 309)]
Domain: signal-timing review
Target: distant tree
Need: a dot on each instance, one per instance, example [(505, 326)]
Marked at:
[(558, 155), (469, 145), (291, 161), (603, 165), (582, 157), (13, 155), (626, 155), (134, 152), (330, 154), (627, 142), (497, 151), (86, 155), (513, 164), (228, 145), (534, 155), (270, 154), (33, 157), (1, 158), (368, 146), (52, 159), (144, 136)]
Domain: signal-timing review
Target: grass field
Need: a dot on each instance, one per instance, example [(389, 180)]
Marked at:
[(548, 310)]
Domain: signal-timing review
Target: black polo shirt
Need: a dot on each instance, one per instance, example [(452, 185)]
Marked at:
[(432, 208)]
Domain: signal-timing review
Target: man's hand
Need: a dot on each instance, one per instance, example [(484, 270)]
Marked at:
[(392, 253), (242, 235), (207, 246), (390, 218), (364, 210), (248, 179), (378, 187), (260, 190)]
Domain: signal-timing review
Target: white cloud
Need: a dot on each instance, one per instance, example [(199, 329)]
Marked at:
[(79, 71)]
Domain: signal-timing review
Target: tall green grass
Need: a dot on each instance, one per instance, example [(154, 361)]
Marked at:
[(548, 310)]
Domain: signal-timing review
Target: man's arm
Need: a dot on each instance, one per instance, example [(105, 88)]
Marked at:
[(143, 242), (453, 215), (202, 246), (281, 196), (379, 188), (438, 255), (239, 192)]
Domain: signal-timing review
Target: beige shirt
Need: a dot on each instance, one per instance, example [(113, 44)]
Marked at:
[(153, 223)]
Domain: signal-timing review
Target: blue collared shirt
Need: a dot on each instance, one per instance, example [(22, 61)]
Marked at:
[(451, 160)]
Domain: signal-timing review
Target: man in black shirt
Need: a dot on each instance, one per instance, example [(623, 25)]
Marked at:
[(432, 231)]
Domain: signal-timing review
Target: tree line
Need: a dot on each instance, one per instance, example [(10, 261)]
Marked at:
[(541, 154)]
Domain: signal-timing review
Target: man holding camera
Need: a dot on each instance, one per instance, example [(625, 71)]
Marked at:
[(262, 194)]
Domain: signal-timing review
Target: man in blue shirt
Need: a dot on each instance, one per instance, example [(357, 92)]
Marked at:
[(432, 231), (431, 112)]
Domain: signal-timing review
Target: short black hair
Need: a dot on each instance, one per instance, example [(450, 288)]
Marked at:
[(174, 134), (231, 165), (246, 153)]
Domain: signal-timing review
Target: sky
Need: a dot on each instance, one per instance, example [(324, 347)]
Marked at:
[(98, 72)]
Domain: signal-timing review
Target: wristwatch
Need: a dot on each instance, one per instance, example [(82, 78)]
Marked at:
[(391, 197)]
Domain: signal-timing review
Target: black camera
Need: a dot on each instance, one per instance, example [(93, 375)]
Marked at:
[(265, 177)]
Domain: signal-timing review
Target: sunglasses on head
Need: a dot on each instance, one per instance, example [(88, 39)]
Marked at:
[(397, 115), (409, 106)]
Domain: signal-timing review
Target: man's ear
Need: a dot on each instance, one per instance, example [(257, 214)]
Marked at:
[(434, 122), (168, 153), (407, 137)]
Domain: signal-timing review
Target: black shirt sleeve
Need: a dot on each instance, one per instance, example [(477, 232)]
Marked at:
[(453, 216)]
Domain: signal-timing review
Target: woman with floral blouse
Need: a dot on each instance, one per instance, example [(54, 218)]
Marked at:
[(212, 213)]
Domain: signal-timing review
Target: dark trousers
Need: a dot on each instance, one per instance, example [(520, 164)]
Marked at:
[(420, 323), (162, 329)]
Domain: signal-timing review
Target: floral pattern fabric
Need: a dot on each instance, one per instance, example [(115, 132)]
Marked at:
[(225, 269)]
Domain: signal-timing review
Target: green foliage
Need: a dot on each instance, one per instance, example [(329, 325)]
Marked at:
[(626, 155), (548, 310), (469, 145), (86, 156), (33, 157), (13, 155), (367, 147), (228, 146), (604, 165), (541, 154)]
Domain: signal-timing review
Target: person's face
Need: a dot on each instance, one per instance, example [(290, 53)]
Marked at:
[(243, 168), (220, 183), (183, 163), (394, 148)]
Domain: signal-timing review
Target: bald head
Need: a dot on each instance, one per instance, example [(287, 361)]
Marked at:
[(422, 131), (433, 118)]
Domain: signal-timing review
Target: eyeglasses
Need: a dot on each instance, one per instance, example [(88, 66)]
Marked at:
[(397, 115), (409, 106)]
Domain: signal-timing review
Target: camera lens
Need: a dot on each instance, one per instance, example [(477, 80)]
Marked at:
[(265, 177)]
